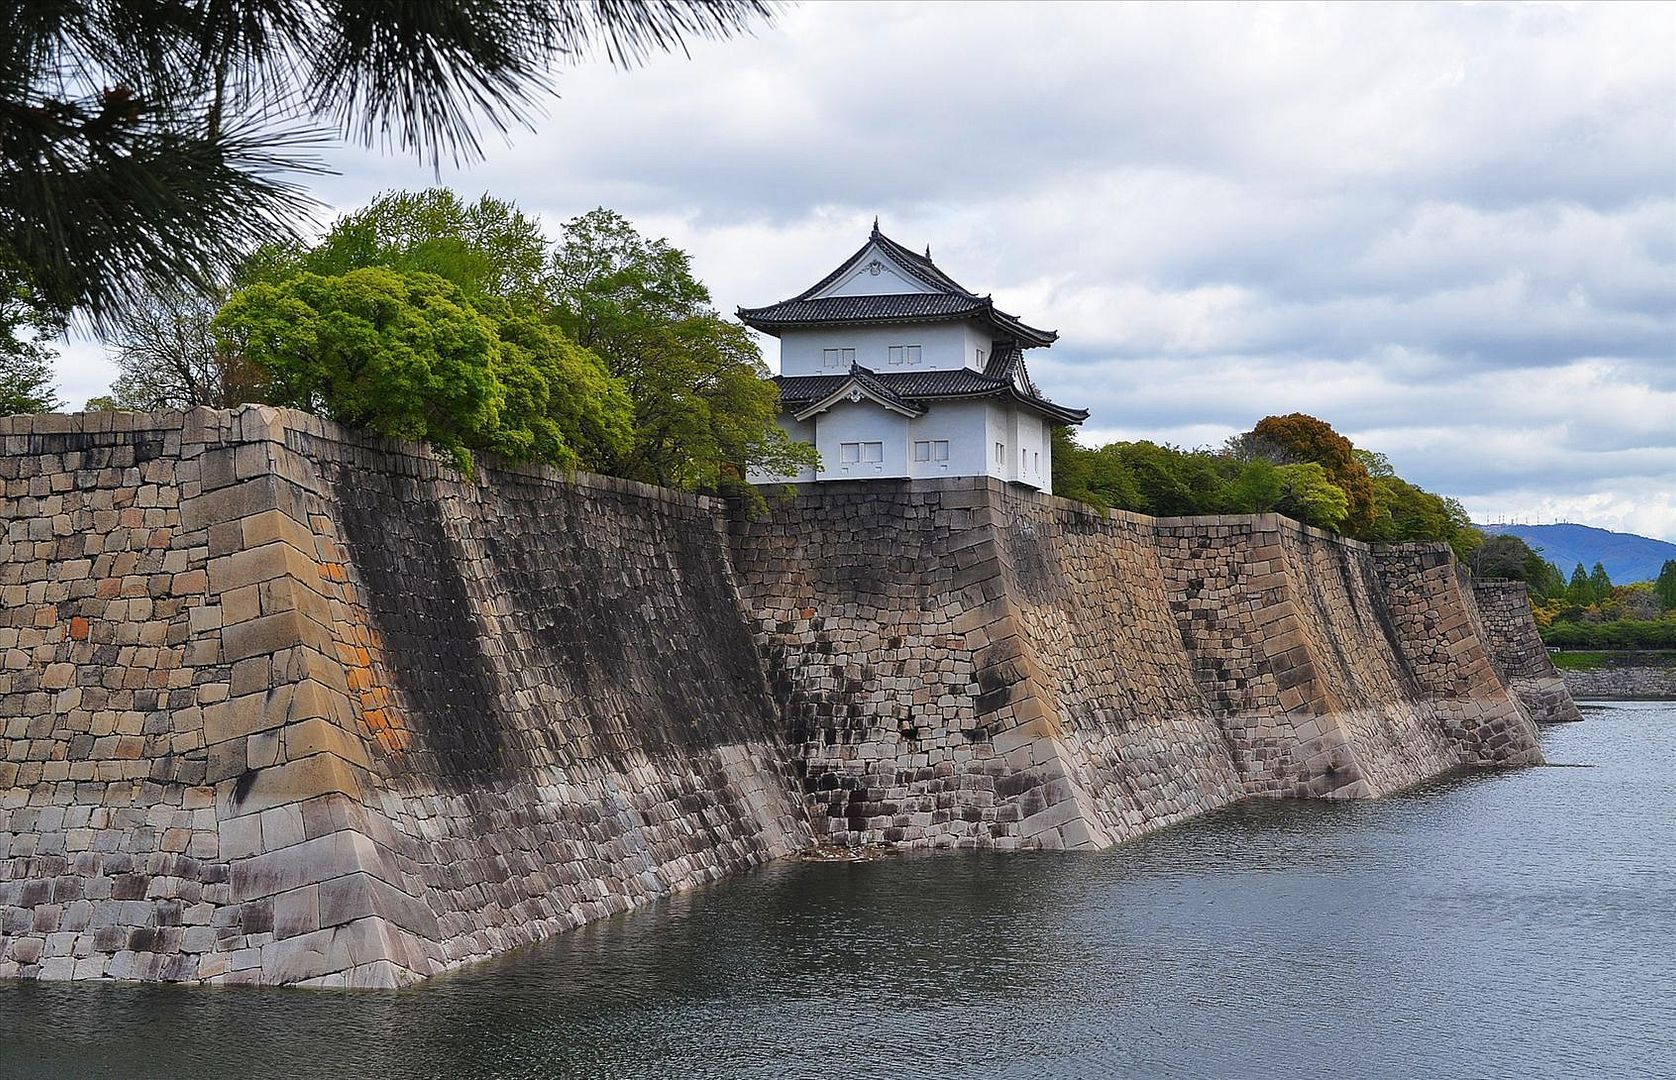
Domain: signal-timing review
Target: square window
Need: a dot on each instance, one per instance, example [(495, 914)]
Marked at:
[(910, 354), (922, 451), (940, 450), (896, 354), (849, 453), (1000, 453), (872, 452)]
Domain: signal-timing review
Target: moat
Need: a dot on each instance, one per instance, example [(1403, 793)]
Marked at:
[(1500, 924)]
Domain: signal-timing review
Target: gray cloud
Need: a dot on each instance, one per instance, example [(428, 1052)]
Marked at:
[(1448, 229)]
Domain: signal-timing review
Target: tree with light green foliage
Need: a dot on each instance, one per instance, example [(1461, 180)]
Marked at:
[(398, 354), (556, 401), (704, 410), (1308, 494), (485, 248), (562, 406)]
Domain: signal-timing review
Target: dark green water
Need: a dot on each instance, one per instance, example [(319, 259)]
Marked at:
[(1501, 925)]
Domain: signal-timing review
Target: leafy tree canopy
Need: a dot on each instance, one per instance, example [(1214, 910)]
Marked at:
[(1294, 465), (1308, 494), (396, 353), (486, 248), (26, 325), (607, 351), (704, 412)]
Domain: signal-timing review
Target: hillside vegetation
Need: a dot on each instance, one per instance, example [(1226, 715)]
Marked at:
[(1626, 556)]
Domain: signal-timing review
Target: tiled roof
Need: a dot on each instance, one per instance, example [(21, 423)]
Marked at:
[(951, 300), (1003, 378), (891, 306)]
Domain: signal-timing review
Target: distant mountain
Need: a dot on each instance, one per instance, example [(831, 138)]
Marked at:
[(1627, 557)]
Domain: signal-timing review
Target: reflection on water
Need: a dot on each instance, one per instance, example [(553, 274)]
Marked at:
[(1498, 925)]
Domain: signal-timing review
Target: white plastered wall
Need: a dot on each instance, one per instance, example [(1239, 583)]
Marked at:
[(971, 428), (943, 347), (862, 421)]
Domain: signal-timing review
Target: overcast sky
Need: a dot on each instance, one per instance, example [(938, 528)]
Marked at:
[(1450, 231)]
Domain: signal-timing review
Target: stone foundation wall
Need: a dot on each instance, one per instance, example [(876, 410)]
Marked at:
[(1519, 655), (281, 703), (287, 705), (1631, 676), (965, 664)]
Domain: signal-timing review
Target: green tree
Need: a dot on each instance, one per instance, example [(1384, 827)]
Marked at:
[(704, 412), (486, 248), (1257, 488), (561, 403), (1404, 513), (145, 145), (1599, 584), (1580, 591), (1665, 586), (1171, 482), (1309, 495), (26, 326), (1073, 468), (562, 406), (399, 354), (1297, 438)]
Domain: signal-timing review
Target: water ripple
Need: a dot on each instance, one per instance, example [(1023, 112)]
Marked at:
[(1518, 925)]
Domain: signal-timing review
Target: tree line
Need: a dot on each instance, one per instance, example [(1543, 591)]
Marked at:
[(1294, 465), (1589, 612), (1585, 610)]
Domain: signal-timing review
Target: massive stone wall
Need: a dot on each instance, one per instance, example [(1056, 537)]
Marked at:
[(280, 703), (284, 705), (1520, 657), (963, 664)]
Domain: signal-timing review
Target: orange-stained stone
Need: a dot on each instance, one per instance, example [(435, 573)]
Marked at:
[(78, 628)]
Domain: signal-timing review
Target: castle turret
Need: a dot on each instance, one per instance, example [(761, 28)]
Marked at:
[(893, 369)]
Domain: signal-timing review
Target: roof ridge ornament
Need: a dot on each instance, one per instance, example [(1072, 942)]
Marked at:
[(875, 224)]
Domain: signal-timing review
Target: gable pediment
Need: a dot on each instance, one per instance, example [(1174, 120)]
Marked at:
[(855, 391), (872, 273)]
